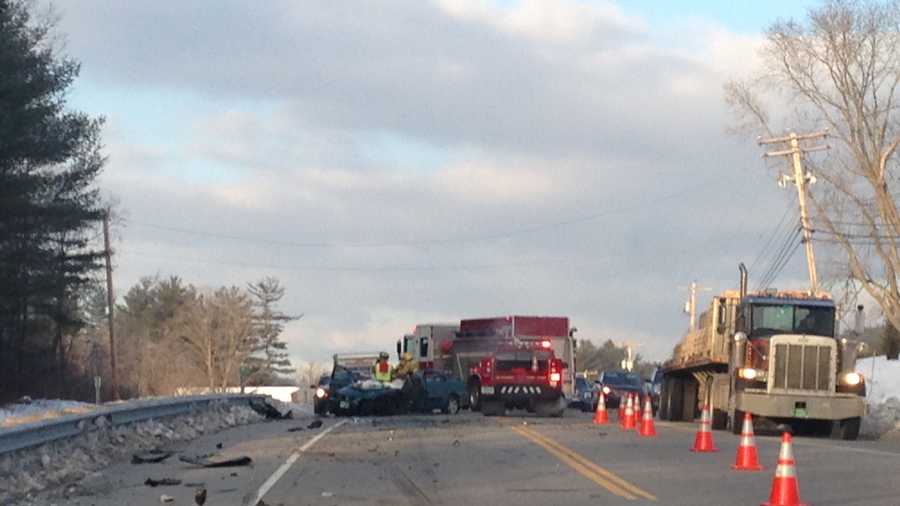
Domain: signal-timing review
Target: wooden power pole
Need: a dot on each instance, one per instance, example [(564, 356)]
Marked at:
[(801, 179), (110, 305)]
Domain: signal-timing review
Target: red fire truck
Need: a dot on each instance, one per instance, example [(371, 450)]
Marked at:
[(464, 350)]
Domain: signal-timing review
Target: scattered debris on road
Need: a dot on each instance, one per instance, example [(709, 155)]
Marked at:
[(200, 496), (218, 446), (456, 442), (154, 456), (295, 429), (166, 498), (203, 461), (269, 411), (315, 424), (26, 473), (162, 482)]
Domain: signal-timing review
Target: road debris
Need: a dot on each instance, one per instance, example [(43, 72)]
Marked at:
[(200, 496), (150, 457), (205, 462), (327, 494), (166, 498), (269, 411), (162, 482), (295, 429), (218, 446), (456, 442), (315, 424)]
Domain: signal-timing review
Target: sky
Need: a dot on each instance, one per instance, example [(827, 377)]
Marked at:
[(408, 161)]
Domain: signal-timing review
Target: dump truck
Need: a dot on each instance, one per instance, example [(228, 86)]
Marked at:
[(773, 354)]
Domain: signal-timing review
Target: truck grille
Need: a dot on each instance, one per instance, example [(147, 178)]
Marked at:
[(803, 367)]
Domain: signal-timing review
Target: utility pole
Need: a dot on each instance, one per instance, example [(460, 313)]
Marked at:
[(801, 180), (110, 305), (690, 307)]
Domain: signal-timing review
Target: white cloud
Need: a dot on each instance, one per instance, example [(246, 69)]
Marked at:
[(559, 158)]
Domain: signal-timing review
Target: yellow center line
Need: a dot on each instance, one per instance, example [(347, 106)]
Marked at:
[(585, 467), (582, 470), (634, 489)]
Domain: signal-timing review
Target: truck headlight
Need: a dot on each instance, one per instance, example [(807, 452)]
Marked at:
[(851, 379), (320, 393), (751, 374), (606, 390)]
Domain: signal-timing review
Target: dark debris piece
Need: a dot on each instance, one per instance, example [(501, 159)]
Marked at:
[(162, 482), (203, 462), (315, 424), (150, 457)]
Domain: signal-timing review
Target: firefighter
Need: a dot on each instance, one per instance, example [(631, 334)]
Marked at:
[(381, 369), (405, 367)]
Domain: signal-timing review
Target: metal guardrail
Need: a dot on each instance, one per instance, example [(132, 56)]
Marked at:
[(46, 431)]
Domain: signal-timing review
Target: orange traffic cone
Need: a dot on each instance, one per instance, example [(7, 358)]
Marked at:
[(747, 458), (703, 441), (629, 422), (601, 417), (647, 428), (784, 487)]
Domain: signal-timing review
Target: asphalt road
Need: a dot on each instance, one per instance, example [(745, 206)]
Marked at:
[(521, 460)]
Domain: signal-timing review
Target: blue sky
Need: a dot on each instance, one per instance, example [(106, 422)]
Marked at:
[(742, 16)]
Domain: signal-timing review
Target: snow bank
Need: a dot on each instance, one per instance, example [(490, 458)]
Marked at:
[(27, 411), (883, 392), (63, 463)]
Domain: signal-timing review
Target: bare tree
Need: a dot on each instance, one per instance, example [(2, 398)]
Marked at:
[(840, 69), (217, 332)]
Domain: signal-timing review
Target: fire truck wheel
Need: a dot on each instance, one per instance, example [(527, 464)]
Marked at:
[(492, 408), (452, 406), (551, 409)]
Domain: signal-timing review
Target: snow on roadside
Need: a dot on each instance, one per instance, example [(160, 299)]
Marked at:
[(28, 411), (883, 395), (62, 464)]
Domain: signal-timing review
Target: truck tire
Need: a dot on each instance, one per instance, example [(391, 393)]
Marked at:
[(737, 422), (675, 399), (551, 409), (493, 408), (719, 419), (475, 395), (850, 428)]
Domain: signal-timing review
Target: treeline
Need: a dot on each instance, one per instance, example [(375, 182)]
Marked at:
[(170, 335), (50, 209), (608, 356)]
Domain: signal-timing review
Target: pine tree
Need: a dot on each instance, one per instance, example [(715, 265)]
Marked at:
[(271, 358), (49, 160)]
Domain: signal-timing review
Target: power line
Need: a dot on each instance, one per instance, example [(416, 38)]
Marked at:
[(772, 236), (334, 268), (433, 241), (784, 255), (786, 236)]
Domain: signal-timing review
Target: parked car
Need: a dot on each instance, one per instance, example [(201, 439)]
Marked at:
[(322, 395), (614, 384), (440, 391), (584, 394)]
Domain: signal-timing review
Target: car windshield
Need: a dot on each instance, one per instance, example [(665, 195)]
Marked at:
[(625, 379), (769, 319)]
